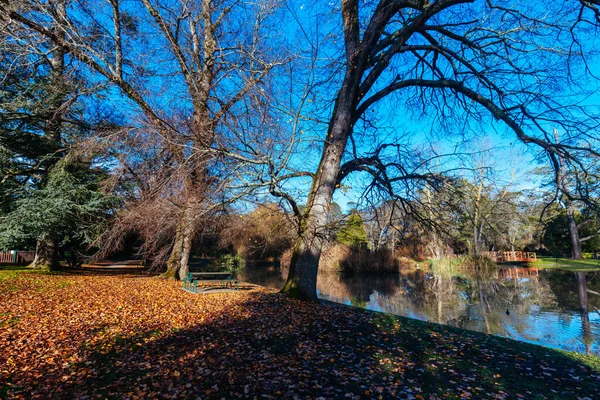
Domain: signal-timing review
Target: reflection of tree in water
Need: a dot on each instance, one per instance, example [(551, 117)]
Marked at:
[(564, 285), (357, 288), (469, 298), (582, 297), (508, 292)]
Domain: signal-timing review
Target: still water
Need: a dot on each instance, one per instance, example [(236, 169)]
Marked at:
[(545, 307)]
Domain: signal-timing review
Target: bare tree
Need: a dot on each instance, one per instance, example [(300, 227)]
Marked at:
[(457, 60), (208, 56)]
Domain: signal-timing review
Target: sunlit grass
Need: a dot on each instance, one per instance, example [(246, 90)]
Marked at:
[(567, 264), (12, 271)]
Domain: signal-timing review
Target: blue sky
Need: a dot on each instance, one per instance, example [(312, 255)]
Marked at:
[(320, 24)]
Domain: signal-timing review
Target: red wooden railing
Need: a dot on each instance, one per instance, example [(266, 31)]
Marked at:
[(511, 256)]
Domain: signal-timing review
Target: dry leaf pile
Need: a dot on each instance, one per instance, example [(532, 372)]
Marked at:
[(128, 336)]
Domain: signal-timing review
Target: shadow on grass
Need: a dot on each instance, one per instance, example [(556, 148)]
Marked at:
[(283, 348), (13, 268), (69, 271)]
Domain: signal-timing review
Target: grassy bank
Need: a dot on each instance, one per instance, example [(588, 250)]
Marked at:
[(567, 264), (75, 335)]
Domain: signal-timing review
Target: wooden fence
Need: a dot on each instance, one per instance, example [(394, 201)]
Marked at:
[(511, 256), (16, 257)]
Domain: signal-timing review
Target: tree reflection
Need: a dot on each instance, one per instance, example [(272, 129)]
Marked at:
[(583, 309)]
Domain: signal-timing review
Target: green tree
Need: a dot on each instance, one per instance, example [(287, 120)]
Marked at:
[(557, 237), (352, 232), (67, 212)]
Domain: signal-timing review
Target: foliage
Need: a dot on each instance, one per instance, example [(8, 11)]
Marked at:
[(70, 208), (88, 336), (352, 232), (556, 234)]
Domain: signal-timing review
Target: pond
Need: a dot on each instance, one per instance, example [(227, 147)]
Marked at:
[(545, 307)]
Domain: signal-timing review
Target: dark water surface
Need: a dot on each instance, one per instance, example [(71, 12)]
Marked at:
[(546, 307)]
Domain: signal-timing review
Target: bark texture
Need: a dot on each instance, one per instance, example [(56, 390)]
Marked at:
[(46, 255)]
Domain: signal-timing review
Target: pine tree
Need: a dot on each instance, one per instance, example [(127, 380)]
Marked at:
[(353, 231)]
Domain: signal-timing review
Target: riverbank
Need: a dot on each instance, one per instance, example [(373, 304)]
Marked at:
[(567, 264), (77, 334)]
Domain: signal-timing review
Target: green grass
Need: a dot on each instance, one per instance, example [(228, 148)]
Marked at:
[(567, 264), (12, 271)]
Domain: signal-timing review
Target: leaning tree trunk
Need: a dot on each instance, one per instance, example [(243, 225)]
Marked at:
[(302, 279), (46, 255)]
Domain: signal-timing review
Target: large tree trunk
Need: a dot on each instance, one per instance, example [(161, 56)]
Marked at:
[(302, 278), (562, 182), (196, 184), (46, 255), (174, 260), (187, 235), (573, 232), (177, 265)]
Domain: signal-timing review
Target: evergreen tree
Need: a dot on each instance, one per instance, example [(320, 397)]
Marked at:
[(353, 231), (49, 194), (68, 211)]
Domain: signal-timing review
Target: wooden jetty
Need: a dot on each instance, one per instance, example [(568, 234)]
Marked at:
[(511, 256)]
